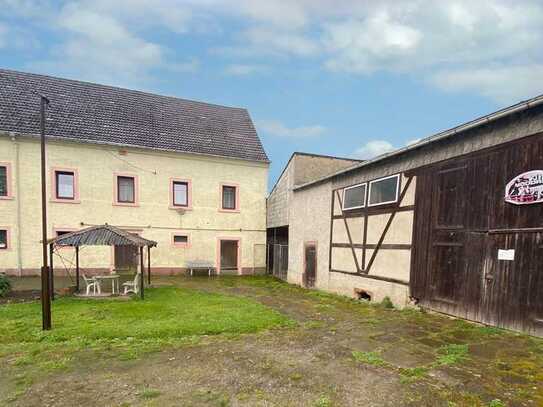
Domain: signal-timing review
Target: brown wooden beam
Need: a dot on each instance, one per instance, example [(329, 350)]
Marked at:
[(384, 246), (359, 213), (373, 277), (389, 222), (348, 233)]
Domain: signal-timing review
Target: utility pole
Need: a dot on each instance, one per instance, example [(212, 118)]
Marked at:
[(45, 276)]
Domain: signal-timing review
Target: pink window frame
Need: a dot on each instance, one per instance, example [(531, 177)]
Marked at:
[(8, 177), (218, 258), (8, 238), (116, 192), (181, 245), (224, 184), (54, 197), (188, 207)]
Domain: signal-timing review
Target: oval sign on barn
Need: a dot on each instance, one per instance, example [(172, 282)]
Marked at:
[(525, 189)]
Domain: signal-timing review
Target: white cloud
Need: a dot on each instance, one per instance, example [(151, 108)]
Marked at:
[(278, 129), (437, 41), (190, 65), (244, 69), (373, 149), (502, 83)]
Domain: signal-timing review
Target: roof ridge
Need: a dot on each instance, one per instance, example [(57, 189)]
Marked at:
[(142, 92)]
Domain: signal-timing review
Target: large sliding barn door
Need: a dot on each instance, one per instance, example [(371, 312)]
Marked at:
[(475, 255)]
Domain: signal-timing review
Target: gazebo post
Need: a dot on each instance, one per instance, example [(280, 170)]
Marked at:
[(77, 268), (149, 265), (142, 270), (52, 273)]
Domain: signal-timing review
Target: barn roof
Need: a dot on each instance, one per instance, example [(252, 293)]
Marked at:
[(103, 235), (92, 113)]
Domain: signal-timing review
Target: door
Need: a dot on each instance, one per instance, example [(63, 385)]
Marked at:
[(126, 258), (229, 256), (448, 234), (310, 264)]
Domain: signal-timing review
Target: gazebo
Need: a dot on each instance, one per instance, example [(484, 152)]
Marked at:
[(104, 235)]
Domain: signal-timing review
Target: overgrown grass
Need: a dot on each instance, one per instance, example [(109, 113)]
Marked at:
[(369, 358)]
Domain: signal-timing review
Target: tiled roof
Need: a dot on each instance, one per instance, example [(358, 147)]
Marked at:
[(93, 113)]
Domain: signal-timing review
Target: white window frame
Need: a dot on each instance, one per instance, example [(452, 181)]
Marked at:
[(365, 185), (397, 176)]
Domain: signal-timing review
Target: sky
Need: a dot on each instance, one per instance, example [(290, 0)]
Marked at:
[(344, 78)]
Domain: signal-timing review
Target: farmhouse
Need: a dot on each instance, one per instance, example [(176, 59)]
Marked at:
[(452, 223), (190, 176)]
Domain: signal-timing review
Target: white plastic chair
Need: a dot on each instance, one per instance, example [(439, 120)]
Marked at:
[(132, 286), (92, 283)]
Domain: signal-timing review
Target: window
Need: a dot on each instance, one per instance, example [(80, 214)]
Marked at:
[(354, 197), (180, 193), (4, 180), (126, 189), (384, 190), (65, 185), (229, 197), (62, 232), (180, 240), (3, 239)]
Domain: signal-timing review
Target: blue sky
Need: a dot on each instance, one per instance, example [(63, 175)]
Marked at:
[(337, 77)]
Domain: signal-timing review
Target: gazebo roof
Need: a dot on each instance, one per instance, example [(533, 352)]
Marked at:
[(102, 235)]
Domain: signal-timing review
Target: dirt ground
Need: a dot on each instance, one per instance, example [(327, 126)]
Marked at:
[(340, 353)]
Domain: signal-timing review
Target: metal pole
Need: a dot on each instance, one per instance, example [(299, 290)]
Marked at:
[(142, 270), (52, 273), (77, 268), (45, 277), (149, 264)]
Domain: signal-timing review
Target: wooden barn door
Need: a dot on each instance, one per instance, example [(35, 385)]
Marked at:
[(448, 232), (464, 229)]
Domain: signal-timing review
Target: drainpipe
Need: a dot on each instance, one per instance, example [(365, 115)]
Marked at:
[(18, 203)]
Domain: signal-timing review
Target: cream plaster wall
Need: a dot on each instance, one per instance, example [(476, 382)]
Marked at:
[(152, 218)]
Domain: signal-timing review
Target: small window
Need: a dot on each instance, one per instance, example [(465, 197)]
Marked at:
[(4, 181), (180, 193), (180, 240), (354, 197), (126, 189), (229, 197), (384, 190), (3, 239), (65, 185)]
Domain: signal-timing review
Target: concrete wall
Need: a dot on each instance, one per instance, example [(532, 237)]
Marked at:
[(278, 203), (152, 218)]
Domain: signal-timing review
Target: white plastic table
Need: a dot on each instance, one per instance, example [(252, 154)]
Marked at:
[(114, 278)]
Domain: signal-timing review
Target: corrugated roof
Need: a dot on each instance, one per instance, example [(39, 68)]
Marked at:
[(103, 235), (89, 112)]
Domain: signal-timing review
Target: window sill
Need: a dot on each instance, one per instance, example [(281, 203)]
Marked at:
[(229, 210), (65, 201), (7, 198), (134, 205), (176, 208)]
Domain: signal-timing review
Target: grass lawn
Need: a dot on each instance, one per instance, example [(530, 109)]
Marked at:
[(126, 329)]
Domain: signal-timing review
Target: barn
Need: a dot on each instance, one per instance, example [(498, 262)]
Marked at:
[(453, 223)]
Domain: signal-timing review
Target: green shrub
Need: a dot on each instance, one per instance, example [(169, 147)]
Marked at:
[(387, 303), (5, 285)]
